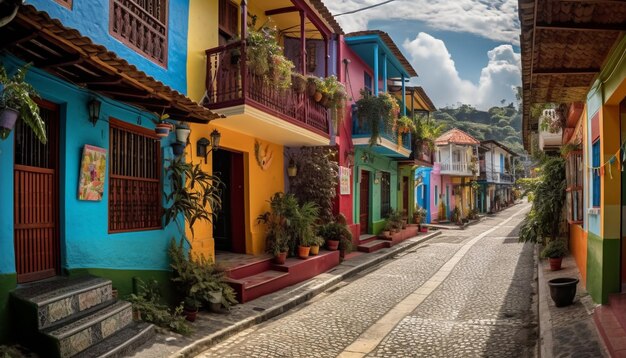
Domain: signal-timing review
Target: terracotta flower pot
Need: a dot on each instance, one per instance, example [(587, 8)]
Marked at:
[(423, 229), (280, 258), (386, 233), (315, 249), (303, 251), (190, 314), (555, 263), (318, 96), (332, 245)]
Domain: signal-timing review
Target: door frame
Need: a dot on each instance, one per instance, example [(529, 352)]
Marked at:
[(54, 144), (369, 200)]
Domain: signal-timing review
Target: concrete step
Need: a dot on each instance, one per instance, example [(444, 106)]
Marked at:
[(250, 269), (251, 287), (122, 343), (53, 302), (374, 245), (76, 336)]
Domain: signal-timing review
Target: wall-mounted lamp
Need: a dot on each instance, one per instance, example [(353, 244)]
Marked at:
[(365, 157), (349, 158), (292, 169), (94, 110), (378, 176), (203, 144)]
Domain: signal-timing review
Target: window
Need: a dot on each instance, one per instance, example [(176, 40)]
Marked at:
[(436, 196), (595, 162), (228, 18), (385, 195), (574, 191), (142, 26), (135, 178), (367, 82)]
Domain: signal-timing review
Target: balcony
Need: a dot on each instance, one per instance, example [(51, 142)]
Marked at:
[(254, 107), (456, 168), (390, 143), (497, 178)]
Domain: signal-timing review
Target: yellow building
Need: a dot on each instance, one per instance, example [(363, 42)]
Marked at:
[(260, 121)]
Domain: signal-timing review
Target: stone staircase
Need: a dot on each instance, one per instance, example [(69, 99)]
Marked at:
[(76, 317)]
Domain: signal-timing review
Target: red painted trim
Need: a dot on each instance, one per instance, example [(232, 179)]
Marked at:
[(311, 15), (595, 127)]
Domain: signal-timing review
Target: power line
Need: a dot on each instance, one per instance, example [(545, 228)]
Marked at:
[(364, 8)]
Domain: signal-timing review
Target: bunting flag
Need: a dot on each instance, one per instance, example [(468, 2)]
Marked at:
[(618, 159)]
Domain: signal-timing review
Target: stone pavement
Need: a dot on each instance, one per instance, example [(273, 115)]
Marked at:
[(466, 293), (567, 331), (211, 328)]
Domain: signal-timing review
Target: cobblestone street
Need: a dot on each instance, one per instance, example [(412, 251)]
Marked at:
[(465, 293)]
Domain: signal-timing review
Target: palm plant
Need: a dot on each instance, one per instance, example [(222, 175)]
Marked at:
[(195, 194)]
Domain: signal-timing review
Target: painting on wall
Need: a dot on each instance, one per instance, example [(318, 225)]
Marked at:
[(92, 170), (344, 180)]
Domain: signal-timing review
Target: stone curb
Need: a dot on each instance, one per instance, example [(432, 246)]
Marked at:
[(544, 319), (210, 340)]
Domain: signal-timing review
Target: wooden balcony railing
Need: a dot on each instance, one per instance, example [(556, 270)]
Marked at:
[(462, 168), (496, 177), (226, 87)]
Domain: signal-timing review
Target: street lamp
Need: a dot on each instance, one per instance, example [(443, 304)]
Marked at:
[(202, 145)]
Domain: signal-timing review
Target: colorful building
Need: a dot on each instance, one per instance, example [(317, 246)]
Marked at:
[(589, 87), (456, 164), (372, 61), (90, 200), (497, 176)]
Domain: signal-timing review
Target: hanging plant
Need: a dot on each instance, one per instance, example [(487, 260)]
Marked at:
[(377, 113), (16, 101), (405, 125), (334, 97), (298, 82), (265, 57)]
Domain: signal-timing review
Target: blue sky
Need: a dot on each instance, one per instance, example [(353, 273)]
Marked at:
[(465, 51)]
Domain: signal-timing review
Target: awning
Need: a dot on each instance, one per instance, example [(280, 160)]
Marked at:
[(564, 45), (34, 37)]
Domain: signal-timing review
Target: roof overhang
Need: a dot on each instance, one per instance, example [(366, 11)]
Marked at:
[(34, 37), (362, 40), (498, 144), (565, 44)]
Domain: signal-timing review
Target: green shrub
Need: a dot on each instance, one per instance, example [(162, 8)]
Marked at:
[(554, 249)]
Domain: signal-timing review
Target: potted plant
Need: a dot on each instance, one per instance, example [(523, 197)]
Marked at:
[(303, 226), (378, 113), (280, 223), (190, 308), (334, 232), (298, 82), (456, 216), (16, 100), (265, 57), (311, 85), (182, 132), (292, 168), (554, 251), (315, 246), (395, 219), (163, 128), (178, 148), (405, 124)]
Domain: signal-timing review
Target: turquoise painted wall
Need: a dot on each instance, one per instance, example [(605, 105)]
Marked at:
[(422, 200), (91, 18), (376, 163), (84, 224)]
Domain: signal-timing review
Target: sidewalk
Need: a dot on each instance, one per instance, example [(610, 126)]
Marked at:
[(566, 331), (210, 328)]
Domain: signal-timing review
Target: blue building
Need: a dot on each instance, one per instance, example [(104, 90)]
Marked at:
[(104, 71)]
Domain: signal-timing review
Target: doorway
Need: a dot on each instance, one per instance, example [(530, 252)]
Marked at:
[(229, 226), (405, 195), (36, 199), (364, 202)]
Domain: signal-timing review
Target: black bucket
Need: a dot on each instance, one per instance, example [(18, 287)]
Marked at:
[(563, 290)]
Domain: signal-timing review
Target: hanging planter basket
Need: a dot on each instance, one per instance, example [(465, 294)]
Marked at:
[(163, 129), (8, 117), (182, 133), (178, 148)]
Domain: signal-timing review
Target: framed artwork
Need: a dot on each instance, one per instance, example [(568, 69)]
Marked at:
[(344, 180), (92, 171)]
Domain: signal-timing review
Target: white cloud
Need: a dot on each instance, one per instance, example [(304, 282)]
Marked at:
[(493, 19), (439, 77)]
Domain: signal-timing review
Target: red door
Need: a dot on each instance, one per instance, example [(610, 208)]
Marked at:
[(229, 228), (36, 199), (364, 205)]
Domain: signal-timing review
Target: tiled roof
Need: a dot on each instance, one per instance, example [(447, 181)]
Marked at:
[(392, 46), (326, 15), (64, 43), (455, 136)]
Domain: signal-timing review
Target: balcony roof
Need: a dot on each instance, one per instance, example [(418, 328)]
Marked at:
[(417, 97), (34, 37), (285, 15), (456, 136), (361, 42), (564, 45), (502, 146)]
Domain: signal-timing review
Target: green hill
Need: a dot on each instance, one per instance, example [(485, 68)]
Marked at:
[(503, 124)]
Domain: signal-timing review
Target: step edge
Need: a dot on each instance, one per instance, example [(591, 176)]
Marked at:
[(245, 287), (123, 305), (69, 294), (78, 315), (114, 351)]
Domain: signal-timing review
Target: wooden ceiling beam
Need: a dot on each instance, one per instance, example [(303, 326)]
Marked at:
[(572, 26), (282, 10), (63, 61)]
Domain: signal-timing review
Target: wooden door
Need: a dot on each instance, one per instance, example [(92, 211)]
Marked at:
[(405, 194), (229, 229), (364, 205), (36, 199)]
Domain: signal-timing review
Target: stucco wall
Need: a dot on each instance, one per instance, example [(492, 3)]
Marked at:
[(85, 241), (91, 18)]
